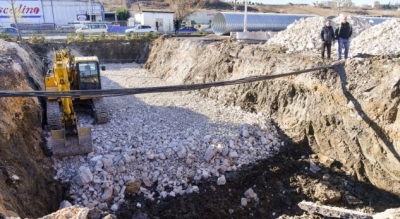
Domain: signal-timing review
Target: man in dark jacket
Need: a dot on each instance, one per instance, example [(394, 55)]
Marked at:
[(327, 37), (343, 34)]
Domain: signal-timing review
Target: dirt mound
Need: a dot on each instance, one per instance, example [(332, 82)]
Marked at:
[(379, 39), (26, 172), (346, 114)]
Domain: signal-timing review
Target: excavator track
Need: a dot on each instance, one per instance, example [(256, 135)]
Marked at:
[(53, 115), (100, 111)]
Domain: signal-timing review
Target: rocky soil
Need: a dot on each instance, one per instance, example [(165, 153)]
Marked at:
[(247, 151), (305, 34), (26, 173), (347, 114)]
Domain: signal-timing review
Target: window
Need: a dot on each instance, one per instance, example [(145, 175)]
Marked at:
[(88, 72)]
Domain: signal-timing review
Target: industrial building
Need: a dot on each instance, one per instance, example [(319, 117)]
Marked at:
[(34, 13)]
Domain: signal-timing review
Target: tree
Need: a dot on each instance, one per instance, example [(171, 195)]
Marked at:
[(339, 4), (14, 14), (122, 14), (183, 8)]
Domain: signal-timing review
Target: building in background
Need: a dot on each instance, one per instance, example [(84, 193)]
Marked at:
[(366, 6), (377, 4), (33, 13), (327, 4), (161, 20)]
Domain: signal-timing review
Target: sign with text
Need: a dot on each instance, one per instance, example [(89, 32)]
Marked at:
[(27, 11)]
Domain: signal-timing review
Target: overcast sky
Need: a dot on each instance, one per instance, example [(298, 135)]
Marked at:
[(357, 2)]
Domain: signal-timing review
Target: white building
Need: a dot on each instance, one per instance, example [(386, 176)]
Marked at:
[(327, 4), (366, 6), (377, 4), (59, 12), (164, 20)]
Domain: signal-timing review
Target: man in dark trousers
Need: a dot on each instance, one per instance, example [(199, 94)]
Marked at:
[(343, 34), (176, 26), (327, 37)]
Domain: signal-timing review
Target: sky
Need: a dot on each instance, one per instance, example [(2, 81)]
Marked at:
[(357, 2)]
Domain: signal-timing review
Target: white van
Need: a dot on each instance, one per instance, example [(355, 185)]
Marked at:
[(93, 28)]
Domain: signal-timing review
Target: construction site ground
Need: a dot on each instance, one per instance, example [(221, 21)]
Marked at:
[(346, 127)]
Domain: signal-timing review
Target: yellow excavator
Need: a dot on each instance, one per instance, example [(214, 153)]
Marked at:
[(72, 73)]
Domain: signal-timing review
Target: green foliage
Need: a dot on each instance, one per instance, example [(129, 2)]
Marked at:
[(146, 36), (91, 38), (6, 37), (81, 37), (130, 36), (70, 37), (37, 39), (106, 36), (122, 14), (102, 36), (150, 36), (199, 32)]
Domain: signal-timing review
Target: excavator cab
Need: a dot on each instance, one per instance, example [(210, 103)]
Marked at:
[(88, 76)]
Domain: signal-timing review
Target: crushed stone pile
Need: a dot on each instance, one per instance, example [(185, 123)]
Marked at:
[(382, 39), (304, 34), (161, 145)]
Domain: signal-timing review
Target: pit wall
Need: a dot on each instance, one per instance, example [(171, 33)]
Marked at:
[(27, 188), (348, 115)]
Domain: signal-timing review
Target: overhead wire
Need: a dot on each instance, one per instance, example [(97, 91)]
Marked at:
[(160, 89)]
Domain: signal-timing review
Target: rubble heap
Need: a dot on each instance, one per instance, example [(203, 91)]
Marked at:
[(304, 34), (380, 39), (162, 151)]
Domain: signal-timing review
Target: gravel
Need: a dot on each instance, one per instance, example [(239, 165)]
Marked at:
[(304, 34), (161, 145), (168, 142), (382, 39)]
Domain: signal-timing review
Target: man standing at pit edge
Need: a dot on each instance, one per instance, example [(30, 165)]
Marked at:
[(343, 34), (327, 37)]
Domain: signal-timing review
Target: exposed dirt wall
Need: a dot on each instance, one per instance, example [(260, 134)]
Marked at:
[(27, 188), (348, 113), (122, 51)]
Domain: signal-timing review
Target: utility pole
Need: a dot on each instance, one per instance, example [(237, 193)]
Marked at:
[(138, 3), (245, 17), (90, 10), (15, 18)]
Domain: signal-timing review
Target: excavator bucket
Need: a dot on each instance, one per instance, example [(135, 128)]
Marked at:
[(64, 144)]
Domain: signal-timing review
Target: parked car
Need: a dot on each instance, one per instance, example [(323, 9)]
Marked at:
[(65, 27), (141, 29), (187, 30), (207, 29), (9, 30), (93, 28)]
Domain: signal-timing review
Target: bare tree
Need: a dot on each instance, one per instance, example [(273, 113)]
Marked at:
[(339, 4), (183, 8), (14, 14)]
